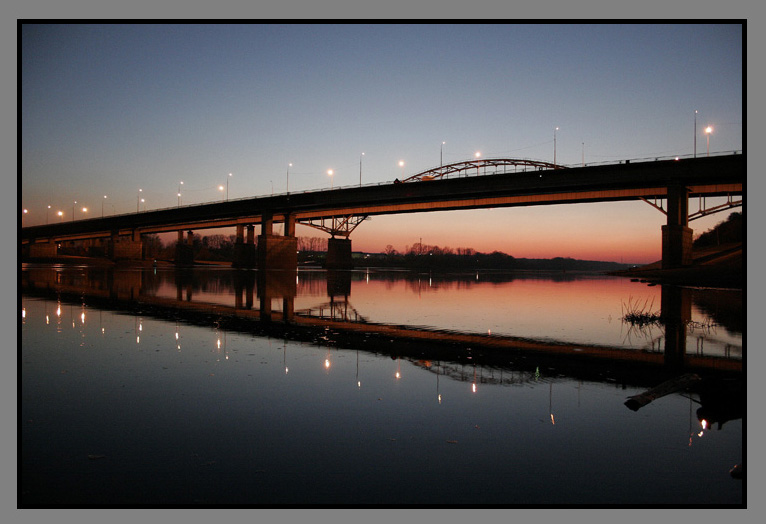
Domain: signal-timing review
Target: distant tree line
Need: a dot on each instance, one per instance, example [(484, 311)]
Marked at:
[(218, 247), (312, 250), (422, 256)]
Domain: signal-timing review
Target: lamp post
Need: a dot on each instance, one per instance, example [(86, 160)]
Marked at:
[(138, 199), (102, 207), (441, 154), (61, 215), (223, 195), (477, 155), (695, 133), (330, 173), (289, 165), (708, 130), (227, 187), (73, 210), (179, 192), (46, 214), (401, 164), (554, 145), (360, 169)]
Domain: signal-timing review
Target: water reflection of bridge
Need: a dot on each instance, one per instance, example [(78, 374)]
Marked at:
[(191, 293)]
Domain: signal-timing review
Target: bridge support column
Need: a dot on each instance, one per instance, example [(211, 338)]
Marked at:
[(43, 250), (184, 250), (338, 253), (676, 235), (127, 247), (275, 251), (244, 251)]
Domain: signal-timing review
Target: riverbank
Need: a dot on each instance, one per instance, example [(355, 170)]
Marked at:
[(717, 266)]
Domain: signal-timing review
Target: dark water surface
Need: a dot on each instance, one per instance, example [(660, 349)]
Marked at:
[(217, 386)]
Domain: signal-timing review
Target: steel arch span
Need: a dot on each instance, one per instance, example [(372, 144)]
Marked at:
[(467, 167)]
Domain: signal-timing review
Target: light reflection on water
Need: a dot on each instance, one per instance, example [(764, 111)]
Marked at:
[(180, 412)]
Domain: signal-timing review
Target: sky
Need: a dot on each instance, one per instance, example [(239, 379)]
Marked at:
[(111, 109)]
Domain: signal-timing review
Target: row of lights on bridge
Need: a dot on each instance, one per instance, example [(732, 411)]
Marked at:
[(330, 172)]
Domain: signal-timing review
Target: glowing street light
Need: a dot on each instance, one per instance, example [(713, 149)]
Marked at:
[(441, 154), (289, 165), (179, 192), (223, 195), (708, 130), (554, 145), (227, 187), (401, 164), (360, 168), (477, 154), (102, 207), (138, 199), (46, 214), (61, 215), (330, 173), (73, 210)]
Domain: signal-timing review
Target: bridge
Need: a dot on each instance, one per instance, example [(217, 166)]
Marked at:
[(667, 185)]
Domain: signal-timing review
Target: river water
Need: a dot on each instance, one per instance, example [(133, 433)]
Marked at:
[(214, 386)]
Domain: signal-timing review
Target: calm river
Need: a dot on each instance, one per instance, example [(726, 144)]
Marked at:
[(214, 386)]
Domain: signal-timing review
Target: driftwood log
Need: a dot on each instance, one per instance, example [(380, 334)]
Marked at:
[(666, 388)]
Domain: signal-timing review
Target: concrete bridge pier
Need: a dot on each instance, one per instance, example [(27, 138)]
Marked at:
[(47, 249), (338, 253), (676, 235), (126, 247), (275, 251), (184, 250), (244, 248)]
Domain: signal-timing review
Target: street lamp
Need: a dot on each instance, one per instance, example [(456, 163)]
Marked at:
[(221, 188), (695, 133), (61, 215), (73, 210), (401, 164), (289, 165), (330, 173), (708, 130), (46, 214), (102, 207), (179, 192), (138, 199), (441, 154), (227, 187), (360, 168), (477, 155), (554, 145)]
